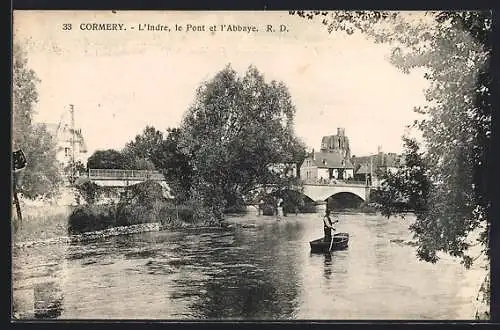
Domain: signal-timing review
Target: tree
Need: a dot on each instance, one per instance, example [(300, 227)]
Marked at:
[(235, 129), (89, 191), (409, 188), (79, 169), (108, 159), (142, 149), (455, 49), (175, 165), (41, 177)]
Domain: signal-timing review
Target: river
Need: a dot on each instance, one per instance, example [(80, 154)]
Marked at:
[(258, 268)]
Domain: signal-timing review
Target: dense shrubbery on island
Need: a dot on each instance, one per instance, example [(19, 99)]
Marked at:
[(142, 203)]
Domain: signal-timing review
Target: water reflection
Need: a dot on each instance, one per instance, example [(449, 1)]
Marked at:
[(253, 279), (48, 299), (37, 279), (327, 269)]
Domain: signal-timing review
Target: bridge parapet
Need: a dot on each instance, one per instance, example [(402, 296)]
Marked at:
[(345, 183), (340, 184)]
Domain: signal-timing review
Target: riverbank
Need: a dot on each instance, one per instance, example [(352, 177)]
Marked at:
[(115, 231), (41, 221)]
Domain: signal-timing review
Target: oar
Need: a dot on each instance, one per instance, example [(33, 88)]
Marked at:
[(331, 242)]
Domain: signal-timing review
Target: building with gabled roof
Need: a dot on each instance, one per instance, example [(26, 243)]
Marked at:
[(66, 138), (331, 163), (325, 167)]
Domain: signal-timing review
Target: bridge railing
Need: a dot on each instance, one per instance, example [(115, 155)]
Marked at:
[(113, 174), (334, 182)]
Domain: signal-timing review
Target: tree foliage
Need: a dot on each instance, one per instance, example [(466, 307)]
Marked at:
[(454, 49), (108, 159), (141, 151), (41, 177), (409, 188), (89, 191), (234, 130), (175, 165)]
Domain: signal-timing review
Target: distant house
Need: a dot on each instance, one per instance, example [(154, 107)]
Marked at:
[(376, 165), (391, 162), (362, 172), (67, 138), (325, 167)]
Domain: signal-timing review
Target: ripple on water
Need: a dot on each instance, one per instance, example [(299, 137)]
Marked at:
[(242, 273), (157, 267), (141, 253)]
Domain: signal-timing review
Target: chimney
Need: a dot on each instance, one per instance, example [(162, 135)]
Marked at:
[(340, 131), (313, 155), (379, 149)]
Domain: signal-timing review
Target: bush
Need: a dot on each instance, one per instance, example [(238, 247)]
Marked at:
[(91, 218), (143, 203), (307, 208), (87, 218), (368, 208), (236, 209), (89, 191), (170, 214), (268, 209)]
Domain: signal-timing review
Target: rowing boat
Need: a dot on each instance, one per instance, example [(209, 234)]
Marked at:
[(339, 241)]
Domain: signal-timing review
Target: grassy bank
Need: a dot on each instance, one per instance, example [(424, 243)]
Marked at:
[(40, 222)]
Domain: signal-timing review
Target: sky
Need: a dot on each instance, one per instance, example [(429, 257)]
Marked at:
[(121, 81)]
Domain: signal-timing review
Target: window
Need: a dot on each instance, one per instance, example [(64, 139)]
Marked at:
[(66, 152)]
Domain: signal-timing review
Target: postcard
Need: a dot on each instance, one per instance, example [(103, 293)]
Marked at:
[(250, 165)]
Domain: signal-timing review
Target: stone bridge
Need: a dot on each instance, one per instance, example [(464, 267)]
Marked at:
[(321, 192)]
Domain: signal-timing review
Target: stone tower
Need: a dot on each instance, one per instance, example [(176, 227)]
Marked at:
[(337, 143)]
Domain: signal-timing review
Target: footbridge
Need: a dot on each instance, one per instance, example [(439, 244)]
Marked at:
[(120, 179), (123, 178)]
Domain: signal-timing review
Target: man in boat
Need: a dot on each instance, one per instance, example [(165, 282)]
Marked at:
[(328, 226)]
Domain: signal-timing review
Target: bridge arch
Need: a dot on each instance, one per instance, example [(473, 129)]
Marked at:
[(323, 192), (344, 199)]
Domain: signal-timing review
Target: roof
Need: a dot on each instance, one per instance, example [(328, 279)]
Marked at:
[(380, 160), (363, 169), (392, 160), (330, 160)]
